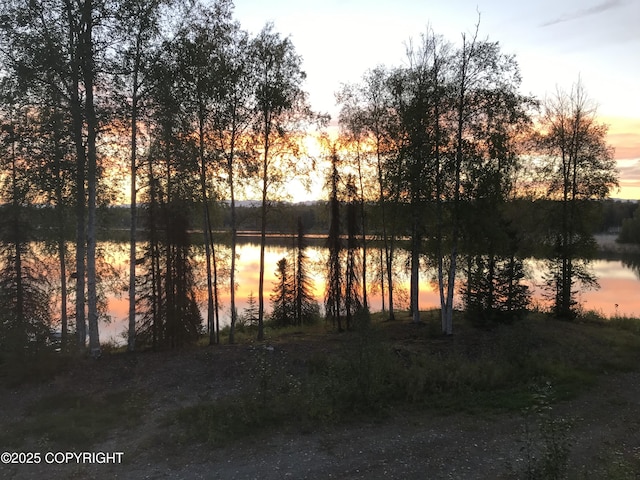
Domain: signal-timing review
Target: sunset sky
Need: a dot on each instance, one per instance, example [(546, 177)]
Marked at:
[(555, 41)]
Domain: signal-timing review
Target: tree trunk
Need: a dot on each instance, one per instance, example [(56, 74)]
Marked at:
[(78, 139), (92, 128), (388, 252), (365, 303), (263, 241), (263, 224), (234, 235), (62, 248), (131, 340), (206, 223), (415, 272), (466, 55)]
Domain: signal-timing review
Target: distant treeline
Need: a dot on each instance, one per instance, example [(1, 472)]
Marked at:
[(608, 216)]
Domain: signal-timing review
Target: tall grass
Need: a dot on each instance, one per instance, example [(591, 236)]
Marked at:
[(387, 366)]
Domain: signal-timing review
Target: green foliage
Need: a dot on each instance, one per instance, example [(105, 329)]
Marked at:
[(25, 318), (494, 291), (291, 301), (282, 301), (170, 314), (547, 441), (250, 313), (630, 232), (579, 168), (369, 374), (613, 214), (75, 421), (41, 366)]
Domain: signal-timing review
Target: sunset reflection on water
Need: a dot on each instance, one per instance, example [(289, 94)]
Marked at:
[(618, 293)]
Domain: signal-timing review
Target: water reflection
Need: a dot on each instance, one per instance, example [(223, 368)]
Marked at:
[(632, 262), (619, 280)]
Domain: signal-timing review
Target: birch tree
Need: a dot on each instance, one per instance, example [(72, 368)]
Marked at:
[(232, 116), (280, 105), (579, 166), (138, 23), (52, 44), (370, 122), (198, 58), (422, 103), (485, 85)]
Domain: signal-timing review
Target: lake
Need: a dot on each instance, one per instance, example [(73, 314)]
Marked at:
[(618, 293)]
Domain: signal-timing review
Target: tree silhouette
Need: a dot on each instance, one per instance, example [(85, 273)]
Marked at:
[(25, 319), (170, 314), (334, 301), (579, 167), (138, 25), (306, 308), (282, 299), (280, 106), (353, 297)]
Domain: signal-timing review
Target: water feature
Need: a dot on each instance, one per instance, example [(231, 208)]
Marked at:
[(619, 281)]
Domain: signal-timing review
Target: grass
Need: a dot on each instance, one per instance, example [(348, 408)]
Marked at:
[(616, 465), (74, 421), (248, 333), (15, 370), (398, 365), (302, 378)]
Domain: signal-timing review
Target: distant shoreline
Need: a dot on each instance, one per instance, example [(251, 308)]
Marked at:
[(607, 243)]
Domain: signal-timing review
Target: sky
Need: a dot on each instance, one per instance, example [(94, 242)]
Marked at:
[(556, 42)]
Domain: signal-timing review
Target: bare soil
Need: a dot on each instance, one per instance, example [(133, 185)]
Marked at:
[(605, 431)]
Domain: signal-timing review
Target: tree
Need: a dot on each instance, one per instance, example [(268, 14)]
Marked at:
[(306, 308), (578, 167), (250, 313), (53, 45), (139, 25), (171, 317), (232, 115), (333, 297), (494, 290), (371, 123), (493, 151), (382, 126), (352, 122), (194, 53), (421, 99), (282, 299), (630, 232), (280, 106), (353, 294), (45, 141), (25, 319)]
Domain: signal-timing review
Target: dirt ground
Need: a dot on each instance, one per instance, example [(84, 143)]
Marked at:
[(604, 435)]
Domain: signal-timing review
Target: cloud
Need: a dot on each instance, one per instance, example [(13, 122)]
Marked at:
[(629, 179), (585, 12), (624, 135), (630, 171), (627, 146)]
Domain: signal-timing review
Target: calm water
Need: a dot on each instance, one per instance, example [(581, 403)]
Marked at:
[(618, 293)]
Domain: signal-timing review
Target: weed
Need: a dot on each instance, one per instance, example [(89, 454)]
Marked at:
[(392, 365), (69, 420), (547, 442), (17, 370)]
